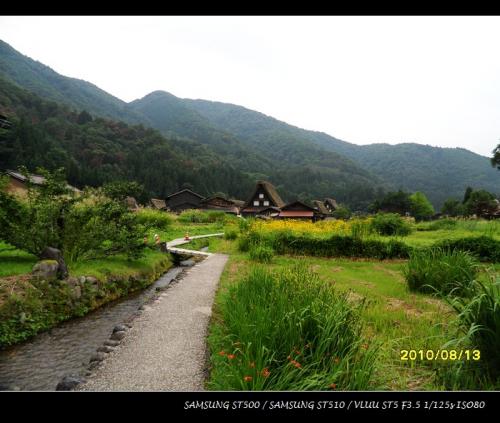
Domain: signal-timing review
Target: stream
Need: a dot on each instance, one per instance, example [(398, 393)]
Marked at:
[(40, 363)]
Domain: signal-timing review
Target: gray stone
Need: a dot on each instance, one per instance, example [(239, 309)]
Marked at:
[(119, 328), (46, 270), (50, 253), (98, 356), (72, 281), (76, 293), (118, 336), (94, 364), (204, 249), (69, 382), (187, 263), (105, 349), (91, 280), (82, 279), (111, 343)]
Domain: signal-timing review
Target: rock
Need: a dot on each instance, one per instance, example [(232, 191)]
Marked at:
[(69, 382), (187, 263), (46, 270), (98, 356), (105, 349), (119, 328), (72, 281), (91, 280), (50, 253), (82, 280), (111, 343), (204, 249), (76, 293), (118, 336), (94, 364)]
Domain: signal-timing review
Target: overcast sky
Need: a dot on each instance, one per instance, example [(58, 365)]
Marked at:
[(431, 80)]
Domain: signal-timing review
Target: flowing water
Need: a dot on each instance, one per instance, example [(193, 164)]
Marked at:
[(39, 364)]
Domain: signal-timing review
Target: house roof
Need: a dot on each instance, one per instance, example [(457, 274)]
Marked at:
[(271, 192), (296, 213), (185, 190), (34, 179), (158, 204), (331, 202), (321, 207), (259, 209), (238, 203), (298, 203)]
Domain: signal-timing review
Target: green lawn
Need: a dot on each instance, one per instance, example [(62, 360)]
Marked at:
[(14, 261)]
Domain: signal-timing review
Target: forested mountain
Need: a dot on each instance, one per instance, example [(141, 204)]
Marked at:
[(199, 134), (96, 150), (49, 85), (439, 172)]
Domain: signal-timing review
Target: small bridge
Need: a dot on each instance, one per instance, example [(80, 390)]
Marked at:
[(171, 246)]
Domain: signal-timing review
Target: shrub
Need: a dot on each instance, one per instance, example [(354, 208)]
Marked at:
[(288, 331), (485, 248), (244, 243), (391, 224), (261, 253), (230, 234), (151, 218), (439, 270)]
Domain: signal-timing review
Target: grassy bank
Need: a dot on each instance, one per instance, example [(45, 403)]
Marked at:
[(28, 307)]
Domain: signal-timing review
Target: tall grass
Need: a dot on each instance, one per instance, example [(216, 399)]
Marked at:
[(441, 270), (288, 331), (152, 218), (479, 323)]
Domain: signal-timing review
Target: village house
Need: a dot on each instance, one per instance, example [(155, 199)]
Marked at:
[(183, 200), (264, 201), (158, 204), (300, 211), (219, 203), (18, 183)]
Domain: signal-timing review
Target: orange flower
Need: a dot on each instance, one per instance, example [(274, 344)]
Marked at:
[(230, 356), (289, 358), (248, 378), (364, 346), (266, 372), (336, 360), (252, 364), (333, 386), (296, 364), (222, 353)]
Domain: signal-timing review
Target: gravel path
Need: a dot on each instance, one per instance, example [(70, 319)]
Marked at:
[(165, 350)]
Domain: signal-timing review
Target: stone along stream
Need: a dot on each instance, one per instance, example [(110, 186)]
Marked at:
[(40, 363)]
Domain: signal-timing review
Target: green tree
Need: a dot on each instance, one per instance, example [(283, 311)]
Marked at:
[(342, 212), (421, 207), (393, 202), (495, 160), (467, 194), (480, 203), (452, 207)]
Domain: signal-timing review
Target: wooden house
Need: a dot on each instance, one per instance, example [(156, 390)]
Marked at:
[(183, 200), (330, 204), (220, 204), (264, 200), (322, 211), (158, 204), (18, 183), (299, 210)]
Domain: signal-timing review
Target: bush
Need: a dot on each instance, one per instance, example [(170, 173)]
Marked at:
[(485, 248), (288, 331), (261, 253), (244, 243), (439, 270), (151, 218), (230, 234), (391, 224), (335, 246)]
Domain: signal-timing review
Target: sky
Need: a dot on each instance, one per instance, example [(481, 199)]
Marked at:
[(430, 80)]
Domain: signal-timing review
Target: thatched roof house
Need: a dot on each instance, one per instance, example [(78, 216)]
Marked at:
[(220, 204), (263, 197), (18, 183), (158, 204)]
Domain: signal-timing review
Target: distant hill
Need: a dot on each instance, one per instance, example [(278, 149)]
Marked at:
[(302, 164), (439, 172)]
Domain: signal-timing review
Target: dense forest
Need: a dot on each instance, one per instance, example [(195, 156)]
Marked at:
[(211, 146)]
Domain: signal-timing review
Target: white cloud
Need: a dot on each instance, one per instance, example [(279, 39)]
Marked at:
[(433, 80)]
